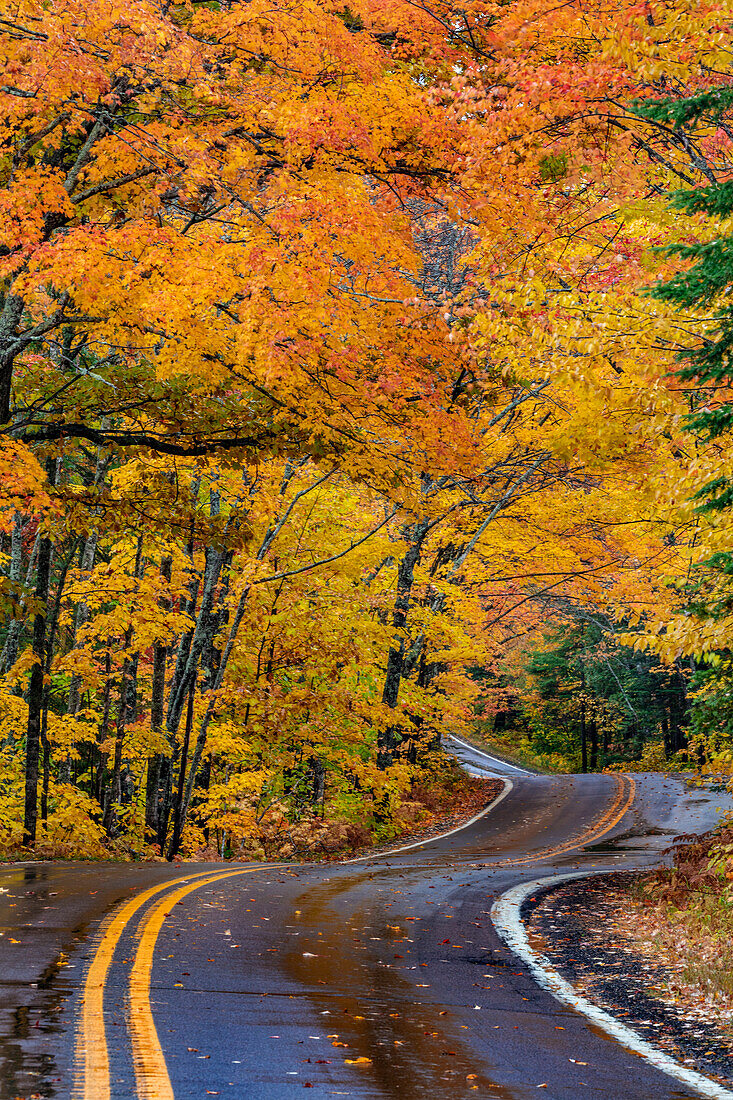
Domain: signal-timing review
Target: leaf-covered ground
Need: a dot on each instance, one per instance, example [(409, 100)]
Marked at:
[(445, 808), (634, 959)]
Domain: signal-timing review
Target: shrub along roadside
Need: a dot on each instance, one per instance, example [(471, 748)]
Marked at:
[(682, 917), (441, 798)]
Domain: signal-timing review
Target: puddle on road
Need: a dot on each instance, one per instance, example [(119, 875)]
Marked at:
[(26, 1065), (27, 1068), (621, 842)]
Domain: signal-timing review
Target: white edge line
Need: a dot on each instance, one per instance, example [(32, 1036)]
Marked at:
[(508, 786), (506, 915), (488, 756)]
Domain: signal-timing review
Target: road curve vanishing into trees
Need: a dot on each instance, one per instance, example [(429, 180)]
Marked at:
[(380, 978)]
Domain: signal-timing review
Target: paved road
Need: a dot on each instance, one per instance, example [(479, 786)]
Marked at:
[(377, 979)]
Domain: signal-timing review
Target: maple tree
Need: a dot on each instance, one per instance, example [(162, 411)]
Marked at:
[(327, 376)]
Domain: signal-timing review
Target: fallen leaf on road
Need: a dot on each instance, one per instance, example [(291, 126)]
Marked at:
[(358, 1061)]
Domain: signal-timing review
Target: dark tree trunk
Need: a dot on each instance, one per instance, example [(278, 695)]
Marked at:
[(203, 782), (113, 796), (159, 769), (104, 724), (318, 780), (9, 320), (52, 626), (46, 762), (125, 712), (178, 812), (389, 738), (89, 553), (36, 692), (188, 659), (593, 731)]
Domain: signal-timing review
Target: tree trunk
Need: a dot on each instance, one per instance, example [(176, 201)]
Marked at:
[(388, 738), (104, 725), (187, 665), (126, 708), (46, 768), (9, 321), (36, 691), (159, 765), (10, 650), (113, 795), (82, 615), (86, 564), (178, 812), (593, 730)]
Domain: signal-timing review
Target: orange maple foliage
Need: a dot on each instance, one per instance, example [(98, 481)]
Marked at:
[(326, 323)]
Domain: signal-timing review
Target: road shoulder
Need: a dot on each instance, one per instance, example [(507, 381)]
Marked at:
[(578, 926)]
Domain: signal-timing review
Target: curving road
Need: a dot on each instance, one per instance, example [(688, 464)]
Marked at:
[(381, 978)]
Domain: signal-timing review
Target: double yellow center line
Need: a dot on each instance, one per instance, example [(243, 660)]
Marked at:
[(151, 1074), (92, 1054), (620, 806)]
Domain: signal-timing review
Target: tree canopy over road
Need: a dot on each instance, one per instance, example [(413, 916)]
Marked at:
[(364, 372)]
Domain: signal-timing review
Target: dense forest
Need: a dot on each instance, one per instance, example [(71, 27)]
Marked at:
[(364, 377)]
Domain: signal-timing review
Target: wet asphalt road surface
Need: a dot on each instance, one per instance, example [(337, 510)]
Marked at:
[(382, 978)]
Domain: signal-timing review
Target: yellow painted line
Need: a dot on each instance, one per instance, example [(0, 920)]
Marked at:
[(151, 1072), (617, 810), (153, 1082), (92, 1056)]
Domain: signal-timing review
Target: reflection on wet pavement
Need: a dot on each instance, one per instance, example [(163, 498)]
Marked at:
[(27, 1063), (385, 957), (414, 1047)]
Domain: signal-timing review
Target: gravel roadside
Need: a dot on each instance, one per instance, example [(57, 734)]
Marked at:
[(579, 927)]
